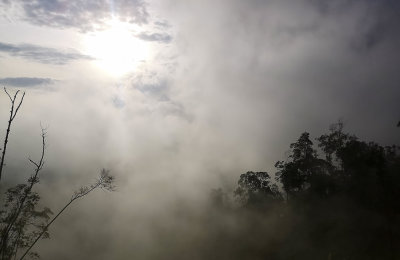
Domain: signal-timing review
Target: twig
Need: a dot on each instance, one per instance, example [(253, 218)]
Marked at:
[(32, 180), (104, 182), (12, 117)]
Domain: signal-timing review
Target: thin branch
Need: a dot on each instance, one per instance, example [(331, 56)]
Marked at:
[(11, 118), (33, 162), (15, 95), (8, 94), (19, 105), (32, 180), (105, 182)]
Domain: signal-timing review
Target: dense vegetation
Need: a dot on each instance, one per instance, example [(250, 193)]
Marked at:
[(340, 203)]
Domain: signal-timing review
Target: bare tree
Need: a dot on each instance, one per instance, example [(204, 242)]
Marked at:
[(105, 182), (13, 112), (21, 223), (21, 204)]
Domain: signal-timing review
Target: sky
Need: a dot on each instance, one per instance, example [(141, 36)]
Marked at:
[(179, 97)]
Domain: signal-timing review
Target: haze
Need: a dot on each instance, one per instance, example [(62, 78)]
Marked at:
[(203, 92)]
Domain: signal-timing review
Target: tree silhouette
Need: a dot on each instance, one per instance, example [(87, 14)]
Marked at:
[(343, 203), (256, 188), (21, 204), (13, 112), (303, 170), (105, 182), (22, 224)]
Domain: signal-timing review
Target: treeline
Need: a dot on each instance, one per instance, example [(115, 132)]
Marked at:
[(342, 202)]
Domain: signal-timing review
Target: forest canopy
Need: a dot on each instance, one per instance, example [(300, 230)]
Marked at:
[(335, 199)]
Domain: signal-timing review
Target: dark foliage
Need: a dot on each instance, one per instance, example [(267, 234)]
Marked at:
[(21, 219), (341, 204), (255, 189)]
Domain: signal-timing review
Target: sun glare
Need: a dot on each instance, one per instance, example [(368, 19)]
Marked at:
[(116, 50)]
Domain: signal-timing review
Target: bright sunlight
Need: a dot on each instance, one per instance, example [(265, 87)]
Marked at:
[(116, 50)]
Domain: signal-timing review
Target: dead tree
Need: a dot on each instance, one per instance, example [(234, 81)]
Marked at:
[(21, 224), (13, 113), (105, 182), (20, 211)]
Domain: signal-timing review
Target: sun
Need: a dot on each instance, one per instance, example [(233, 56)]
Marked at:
[(116, 50)]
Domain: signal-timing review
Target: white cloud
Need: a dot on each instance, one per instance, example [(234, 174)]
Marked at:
[(79, 14)]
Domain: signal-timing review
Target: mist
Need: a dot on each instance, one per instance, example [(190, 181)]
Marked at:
[(228, 87)]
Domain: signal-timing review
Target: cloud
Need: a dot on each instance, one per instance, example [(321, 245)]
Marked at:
[(42, 54), (155, 37), (26, 81), (153, 82), (163, 24), (252, 75), (159, 89), (118, 102), (80, 14), (156, 87)]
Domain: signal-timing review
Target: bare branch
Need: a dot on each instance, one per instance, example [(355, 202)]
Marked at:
[(32, 181), (5, 90), (19, 105), (105, 181), (33, 162), (10, 120)]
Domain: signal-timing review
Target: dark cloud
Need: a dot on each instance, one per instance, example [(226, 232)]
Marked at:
[(374, 20), (155, 37), (300, 65), (80, 14), (26, 81), (42, 54)]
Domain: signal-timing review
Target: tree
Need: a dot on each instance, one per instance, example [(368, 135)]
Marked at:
[(22, 224), (344, 203), (333, 142), (20, 217), (105, 182), (255, 188), (13, 113), (298, 173)]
